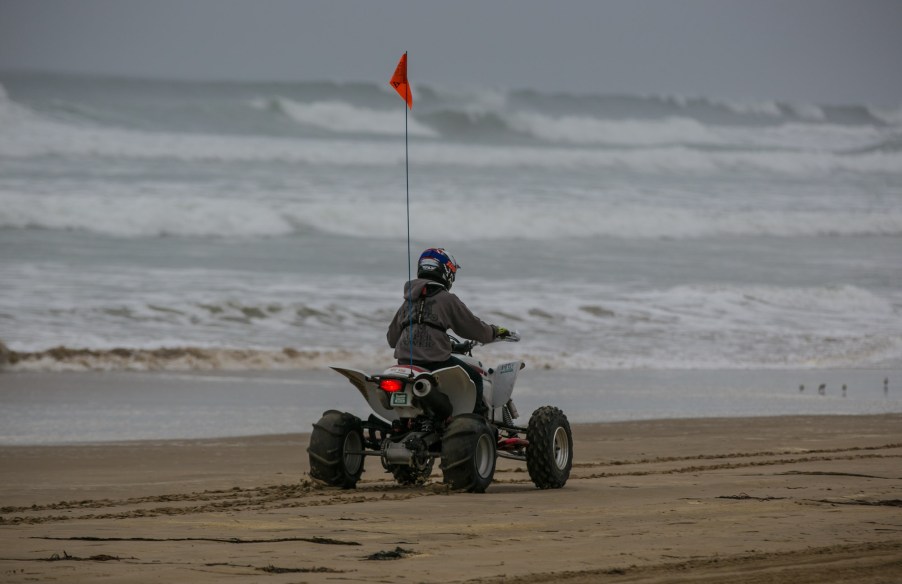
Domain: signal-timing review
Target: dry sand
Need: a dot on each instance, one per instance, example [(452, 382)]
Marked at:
[(794, 499)]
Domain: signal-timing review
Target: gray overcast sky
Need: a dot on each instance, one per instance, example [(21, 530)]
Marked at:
[(822, 51)]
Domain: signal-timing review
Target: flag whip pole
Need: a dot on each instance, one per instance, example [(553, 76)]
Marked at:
[(399, 80), (407, 189)]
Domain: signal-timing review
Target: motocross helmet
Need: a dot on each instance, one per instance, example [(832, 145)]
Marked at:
[(437, 265)]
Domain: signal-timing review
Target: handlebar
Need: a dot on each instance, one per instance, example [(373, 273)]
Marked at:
[(465, 346), (462, 347)]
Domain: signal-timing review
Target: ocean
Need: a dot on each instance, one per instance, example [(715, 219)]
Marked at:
[(239, 226)]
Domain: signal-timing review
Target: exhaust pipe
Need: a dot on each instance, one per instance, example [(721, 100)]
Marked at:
[(422, 387)]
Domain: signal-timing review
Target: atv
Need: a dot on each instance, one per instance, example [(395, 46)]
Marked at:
[(421, 415)]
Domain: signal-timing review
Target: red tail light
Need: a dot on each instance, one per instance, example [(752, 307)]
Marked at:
[(391, 385)]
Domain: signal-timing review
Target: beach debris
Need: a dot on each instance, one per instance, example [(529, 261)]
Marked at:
[(747, 497), (96, 558), (877, 503), (277, 570), (320, 570), (395, 554), (330, 541), (237, 540)]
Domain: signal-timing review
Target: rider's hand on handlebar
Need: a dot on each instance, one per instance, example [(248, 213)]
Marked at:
[(501, 332)]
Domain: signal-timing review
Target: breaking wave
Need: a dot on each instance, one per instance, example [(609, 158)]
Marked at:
[(236, 217), (585, 326), (801, 352), (44, 138), (343, 118), (242, 129), (171, 359)]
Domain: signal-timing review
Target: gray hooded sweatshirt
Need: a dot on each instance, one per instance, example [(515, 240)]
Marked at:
[(435, 310)]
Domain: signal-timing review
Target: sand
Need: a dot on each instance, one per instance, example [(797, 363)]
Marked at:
[(785, 499)]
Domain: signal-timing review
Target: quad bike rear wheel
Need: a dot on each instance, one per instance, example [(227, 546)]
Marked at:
[(468, 454), (549, 456), (335, 449)]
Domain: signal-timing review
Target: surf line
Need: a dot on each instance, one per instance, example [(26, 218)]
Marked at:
[(399, 82)]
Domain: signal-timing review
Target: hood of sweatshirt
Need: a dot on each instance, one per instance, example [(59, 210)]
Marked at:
[(415, 289)]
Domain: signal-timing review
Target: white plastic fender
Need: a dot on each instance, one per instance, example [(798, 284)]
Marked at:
[(460, 389), (452, 381), (503, 378), (369, 391)]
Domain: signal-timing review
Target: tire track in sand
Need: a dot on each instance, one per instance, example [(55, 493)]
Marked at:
[(308, 493)]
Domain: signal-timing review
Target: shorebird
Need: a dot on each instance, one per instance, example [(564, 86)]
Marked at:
[(822, 388), (801, 388), (844, 390)]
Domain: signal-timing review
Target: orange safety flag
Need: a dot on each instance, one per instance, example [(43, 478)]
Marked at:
[(399, 81)]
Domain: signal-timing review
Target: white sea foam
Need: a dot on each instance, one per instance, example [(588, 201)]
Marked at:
[(342, 117), (809, 137), (763, 108), (123, 144), (548, 222), (573, 325), (144, 215), (725, 326), (171, 214), (808, 111), (589, 130), (585, 130)]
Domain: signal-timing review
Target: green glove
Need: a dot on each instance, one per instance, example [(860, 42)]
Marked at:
[(501, 332)]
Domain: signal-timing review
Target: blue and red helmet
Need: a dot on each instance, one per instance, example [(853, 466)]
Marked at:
[(438, 265)]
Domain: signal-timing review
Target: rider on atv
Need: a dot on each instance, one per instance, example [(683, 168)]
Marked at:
[(431, 410), (434, 311)]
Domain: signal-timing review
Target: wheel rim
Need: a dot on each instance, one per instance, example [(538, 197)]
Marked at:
[(352, 443), (484, 456), (561, 446)]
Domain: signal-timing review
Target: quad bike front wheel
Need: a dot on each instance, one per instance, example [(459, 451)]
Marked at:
[(468, 454), (549, 456), (335, 450)]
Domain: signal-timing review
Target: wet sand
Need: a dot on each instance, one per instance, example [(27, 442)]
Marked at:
[(782, 499)]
